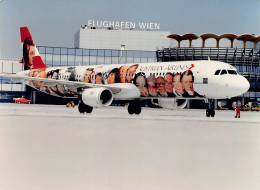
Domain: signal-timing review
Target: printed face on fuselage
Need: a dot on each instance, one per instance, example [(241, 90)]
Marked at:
[(98, 79), (188, 83), (31, 54), (87, 76), (141, 85), (122, 72), (160, 85), (177, 85), (130, 73), (111, 78), (168, 83)]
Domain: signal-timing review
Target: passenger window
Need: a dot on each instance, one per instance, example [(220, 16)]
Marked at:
[(223, 72), (232, 72), (217, 72)]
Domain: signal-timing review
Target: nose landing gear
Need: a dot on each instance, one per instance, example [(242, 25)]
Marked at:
[(210, 112)]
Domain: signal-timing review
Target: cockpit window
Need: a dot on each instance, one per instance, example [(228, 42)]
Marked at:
[(223, 72), (217, 72), (232, 72)]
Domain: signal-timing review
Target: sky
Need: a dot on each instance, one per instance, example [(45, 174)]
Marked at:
[(54, 22)]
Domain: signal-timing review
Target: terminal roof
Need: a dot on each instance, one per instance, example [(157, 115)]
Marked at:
[(204, 37), (228, 36), (190, 36), (246, 37), (209, 35)]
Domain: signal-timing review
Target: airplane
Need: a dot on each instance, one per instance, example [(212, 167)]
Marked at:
[(168, 84)]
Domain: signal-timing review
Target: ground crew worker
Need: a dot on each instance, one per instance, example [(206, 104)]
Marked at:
[(237, 107)]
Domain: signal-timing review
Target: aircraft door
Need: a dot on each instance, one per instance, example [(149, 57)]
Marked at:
[(200, 80), (198, 77)]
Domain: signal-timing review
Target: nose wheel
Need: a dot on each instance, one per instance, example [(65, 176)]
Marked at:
[(210, 112)]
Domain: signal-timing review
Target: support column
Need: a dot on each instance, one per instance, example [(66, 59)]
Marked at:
[(190, 43), (217, 43), (243, 101), (215, 104), (33, 96), (188, 104), (203, 43)]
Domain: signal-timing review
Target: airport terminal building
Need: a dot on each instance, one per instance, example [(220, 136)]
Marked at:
[(96, 36), (112, 42)]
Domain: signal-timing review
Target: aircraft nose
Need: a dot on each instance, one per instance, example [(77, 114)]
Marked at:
[(243, 85)]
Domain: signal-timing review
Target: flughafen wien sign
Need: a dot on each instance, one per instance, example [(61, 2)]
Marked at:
[(124, 25)]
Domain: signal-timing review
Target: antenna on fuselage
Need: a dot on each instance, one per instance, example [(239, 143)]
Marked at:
[(208, 58)]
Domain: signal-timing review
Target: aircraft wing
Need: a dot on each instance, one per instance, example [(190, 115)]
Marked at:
[(115, 88)]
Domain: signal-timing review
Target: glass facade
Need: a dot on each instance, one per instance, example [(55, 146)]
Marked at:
[(11, 67), (8, 88), (58, 56)]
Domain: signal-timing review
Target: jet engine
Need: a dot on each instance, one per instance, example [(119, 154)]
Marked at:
[(97, 97), (171, 103)]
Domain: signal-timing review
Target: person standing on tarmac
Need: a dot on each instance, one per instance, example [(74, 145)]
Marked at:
[(237, 106)]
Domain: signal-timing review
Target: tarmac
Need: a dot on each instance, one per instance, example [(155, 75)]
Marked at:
[(54, 147)]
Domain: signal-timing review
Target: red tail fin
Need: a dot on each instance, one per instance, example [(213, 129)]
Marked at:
[(31, 56)]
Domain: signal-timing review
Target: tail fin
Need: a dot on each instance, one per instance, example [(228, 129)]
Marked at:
[(31, 56)]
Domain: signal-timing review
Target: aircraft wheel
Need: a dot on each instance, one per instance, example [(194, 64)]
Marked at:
[(212, 114), (81, 107), (208, 113), (131, 109), (88, 109), (138, 109)]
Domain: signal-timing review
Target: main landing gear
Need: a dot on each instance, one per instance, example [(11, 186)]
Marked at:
[(84, 108), (210, 112), (134, 107)]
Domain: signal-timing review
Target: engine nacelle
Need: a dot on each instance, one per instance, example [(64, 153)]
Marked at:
[(171, 103), (97, 97)]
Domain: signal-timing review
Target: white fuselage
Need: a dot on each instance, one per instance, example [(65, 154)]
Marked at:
[(150, 79)]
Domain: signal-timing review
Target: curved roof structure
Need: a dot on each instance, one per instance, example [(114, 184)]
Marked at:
[(209, 35), (176, 37), (190, 37), (256, 40), (246, 37), (230, 36)]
